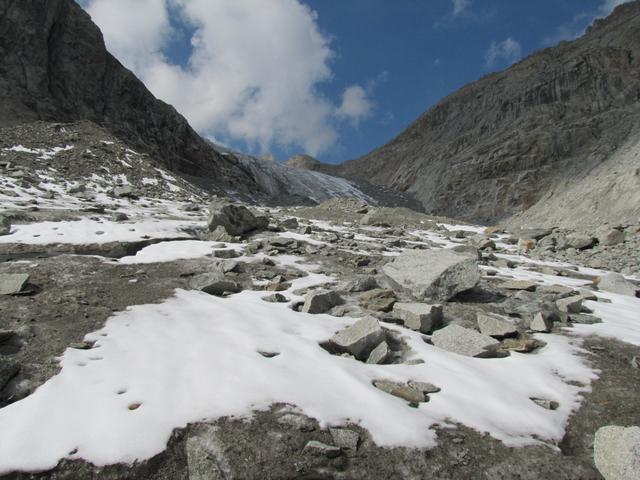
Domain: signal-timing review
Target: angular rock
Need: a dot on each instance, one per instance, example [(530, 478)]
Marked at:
[(579, 242), (570, 304), (378, 300), (548, 404), (12, 283), (616, 452), (5, 225), (419, 316), (360, 338), (320, 449), (400, 390), (481, 242), (465, 341), (226, 253), (236, 219), (290, 223), (124, 191), (518, 285), (219, 234), (541, 322), (321, 301), (275, 298), (424, 387), (495, 326), (616, 283), (611, 237), (379, 354), (584, 319), (205, 455), (433, 274), (361, 284), (522, 344), (214, 283), (345, 439)]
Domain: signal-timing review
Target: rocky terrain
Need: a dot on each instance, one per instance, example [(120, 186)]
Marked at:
[(172, 309), (150, 330), (488, 153)]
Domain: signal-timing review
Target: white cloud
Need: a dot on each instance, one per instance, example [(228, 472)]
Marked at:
[(460, 6), (608, 5), (507, 51), (253, 71), (355, 105)]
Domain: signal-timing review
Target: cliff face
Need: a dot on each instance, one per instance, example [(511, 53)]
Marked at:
[(55, 67), (498, 146)]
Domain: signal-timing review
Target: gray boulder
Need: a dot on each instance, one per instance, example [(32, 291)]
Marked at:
[(465, 341), (419, 316), (360, 338), (541, 322), (570, 304), (433, 274), (379, 354), (406, 392), (214, 283), (495, 326), (205, 455), (616, 283), (12, 283), (611, 237), (5, 225), (321, 301), (346, 439), (361, 284), (579, 242), (235, 219), (616, 452)]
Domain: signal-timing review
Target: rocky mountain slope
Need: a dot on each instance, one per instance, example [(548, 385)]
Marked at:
[(558, 132), (55, 68)]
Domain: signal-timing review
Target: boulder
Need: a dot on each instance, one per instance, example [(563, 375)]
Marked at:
[(206, 459), (616, 452), (465, 341), (481, 242), (518, 285), (12, 283), (495, 326), (616, 283), (124, 191), (579, 242), (433, 274), (321, 301), (419, 316), (359, 339), (611, 237), (361, 284), (570, 304), (235, 219), (214, 283), (378, 300), (346, 439), (541, 322), (379, 354), (400, 390), (5, 225), (290, 223)]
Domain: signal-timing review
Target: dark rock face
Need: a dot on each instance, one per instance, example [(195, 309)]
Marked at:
[(55, 68), (495, 147)]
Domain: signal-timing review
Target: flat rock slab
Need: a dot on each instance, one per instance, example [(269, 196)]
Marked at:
[(360, 338), (465, 341), (433, 274), (419, 316), (616, 452), (12, 283), (518, 285), (406, 392), (495, 326)]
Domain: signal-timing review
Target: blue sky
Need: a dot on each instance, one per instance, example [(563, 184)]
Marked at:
[(335, 79)]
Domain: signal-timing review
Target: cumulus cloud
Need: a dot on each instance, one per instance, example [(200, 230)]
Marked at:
[(460, 6), (355, 105), (253, 71), (506, 51)]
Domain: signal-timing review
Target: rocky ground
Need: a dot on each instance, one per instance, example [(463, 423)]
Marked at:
[(144, 335)]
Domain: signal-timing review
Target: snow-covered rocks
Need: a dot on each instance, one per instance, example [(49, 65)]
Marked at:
[(433, 274), (616, 452), (359, 339), (422, 317), (465, 341), (235, 219)]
